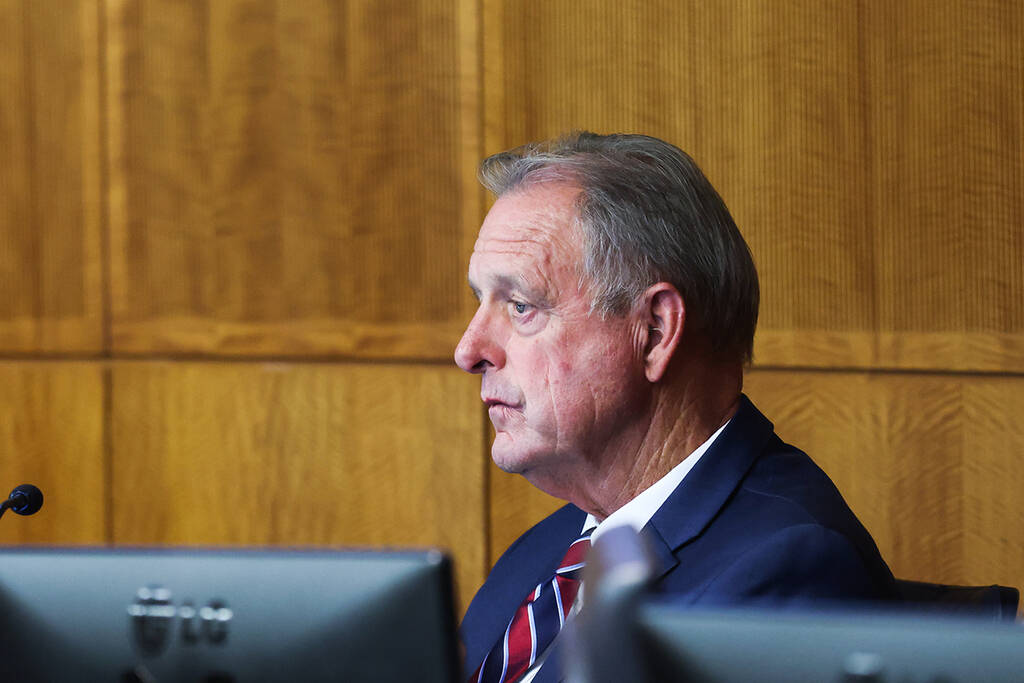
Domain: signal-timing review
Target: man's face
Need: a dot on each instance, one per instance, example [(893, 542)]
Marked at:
[(560, 383)]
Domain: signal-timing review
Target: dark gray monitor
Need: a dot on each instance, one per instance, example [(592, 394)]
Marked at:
[(225, 615), (680, 644)]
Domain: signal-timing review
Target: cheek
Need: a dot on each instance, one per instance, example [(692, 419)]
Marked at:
[(550, 379), (573, 381), (573, 388), (607, 376)]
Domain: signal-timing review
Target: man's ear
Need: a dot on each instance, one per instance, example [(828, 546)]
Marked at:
[(665, 313)]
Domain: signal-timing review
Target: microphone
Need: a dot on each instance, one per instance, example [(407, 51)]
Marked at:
[(24, 500)]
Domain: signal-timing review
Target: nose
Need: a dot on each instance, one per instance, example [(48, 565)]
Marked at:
[(479, 349)]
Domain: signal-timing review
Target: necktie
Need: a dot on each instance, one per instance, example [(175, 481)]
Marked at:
[(537, 620)]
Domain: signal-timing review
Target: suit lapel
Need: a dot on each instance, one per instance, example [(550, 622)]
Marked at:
[(708, 486)]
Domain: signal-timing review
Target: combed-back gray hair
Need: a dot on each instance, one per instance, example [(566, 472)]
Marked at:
[(648, 215)]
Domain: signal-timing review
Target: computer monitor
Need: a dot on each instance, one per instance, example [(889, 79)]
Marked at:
[(225, 615), (681, 644)]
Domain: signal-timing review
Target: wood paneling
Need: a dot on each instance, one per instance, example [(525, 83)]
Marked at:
[(291, 177), (50, 269), (319, 454), (871, 153), (946, 87), (777, 98), (51, 435), (993, 507), (943, 111), (550, 67)]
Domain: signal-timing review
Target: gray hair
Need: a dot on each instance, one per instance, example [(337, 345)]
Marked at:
[(647, 215)]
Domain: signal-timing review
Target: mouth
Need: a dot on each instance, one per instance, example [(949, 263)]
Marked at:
[(501, 412), (497, 403)]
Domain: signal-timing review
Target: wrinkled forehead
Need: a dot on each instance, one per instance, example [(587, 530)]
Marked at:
[(538, 219), (530, 242)]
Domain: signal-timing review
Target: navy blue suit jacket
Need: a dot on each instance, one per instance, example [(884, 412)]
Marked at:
[(754, 522)]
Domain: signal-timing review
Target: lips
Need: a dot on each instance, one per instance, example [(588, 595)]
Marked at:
[(503, 413), (504, 416), (499, 403)]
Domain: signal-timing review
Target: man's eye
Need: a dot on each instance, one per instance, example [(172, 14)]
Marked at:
[(519, 307)]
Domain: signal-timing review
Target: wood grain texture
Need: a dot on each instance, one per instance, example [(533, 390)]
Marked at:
[(870, 152), (51, 435), (550, 67), (286, 455), (993, 444), (50, 214), (289, 177), (946, 87), (777, 101)]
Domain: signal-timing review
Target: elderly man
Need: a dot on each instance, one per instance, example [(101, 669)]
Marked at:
[(617, 310)]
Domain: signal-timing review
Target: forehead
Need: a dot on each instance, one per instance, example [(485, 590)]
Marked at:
[(529, 229)]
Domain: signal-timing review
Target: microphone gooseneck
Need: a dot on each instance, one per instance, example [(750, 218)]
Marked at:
[(24, 500)]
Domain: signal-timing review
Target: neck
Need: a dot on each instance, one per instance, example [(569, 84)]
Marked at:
[(686, 409)]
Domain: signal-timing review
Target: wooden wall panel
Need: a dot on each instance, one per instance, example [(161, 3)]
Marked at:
[(50, 269), (51, 435), (287, 455), (776, 94), (946, 93), (943, 111), (291, 177), (870, 152), (550, 67)]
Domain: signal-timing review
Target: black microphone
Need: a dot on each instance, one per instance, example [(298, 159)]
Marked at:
[(24, 500)]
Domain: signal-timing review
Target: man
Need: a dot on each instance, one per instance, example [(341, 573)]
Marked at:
[(617, 310)]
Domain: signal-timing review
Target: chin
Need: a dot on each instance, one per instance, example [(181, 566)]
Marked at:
[(509, 463), (510, 458), (536, 467)]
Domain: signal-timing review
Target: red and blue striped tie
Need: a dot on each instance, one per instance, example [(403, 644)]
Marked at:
[(537, 621)]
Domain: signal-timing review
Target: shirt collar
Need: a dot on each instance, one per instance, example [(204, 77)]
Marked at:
[(637, 512)]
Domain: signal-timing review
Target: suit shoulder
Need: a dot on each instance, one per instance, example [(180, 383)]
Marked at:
[(787, 494), (789, 477), (804, 563)]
